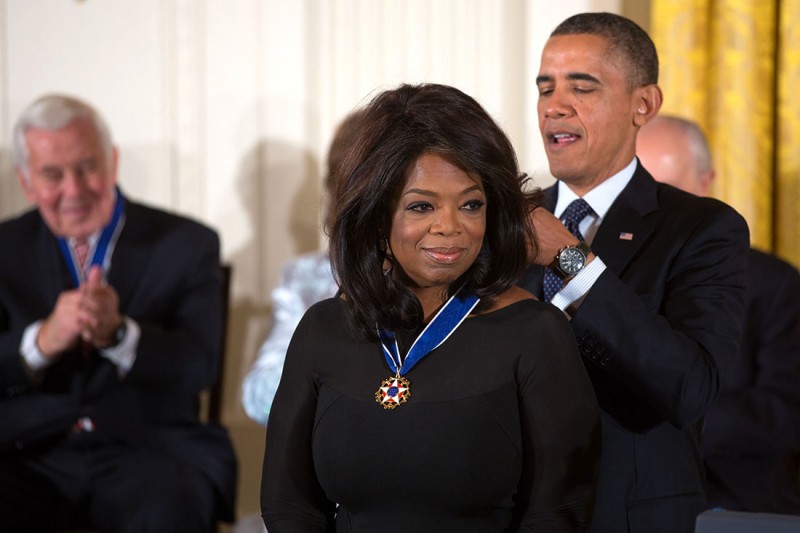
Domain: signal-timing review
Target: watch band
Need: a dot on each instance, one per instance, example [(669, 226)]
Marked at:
[(119, 333)]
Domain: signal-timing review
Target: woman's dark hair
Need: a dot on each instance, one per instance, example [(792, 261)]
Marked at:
[(397, 127), (342, 141)]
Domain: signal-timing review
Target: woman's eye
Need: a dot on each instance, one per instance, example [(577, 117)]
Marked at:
[(474, 205), (420, 206)]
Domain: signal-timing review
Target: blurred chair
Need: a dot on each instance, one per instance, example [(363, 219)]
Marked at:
[(721, 521), (214, 410)]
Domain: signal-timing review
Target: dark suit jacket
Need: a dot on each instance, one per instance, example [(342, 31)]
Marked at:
[(751, 439), (654, 331), (166, 271)]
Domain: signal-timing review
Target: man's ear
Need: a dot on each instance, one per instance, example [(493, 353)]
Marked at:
[(114, 163), (26, 186), (705, 181), (647, 101)]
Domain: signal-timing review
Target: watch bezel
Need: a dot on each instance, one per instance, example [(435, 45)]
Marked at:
[(581, 248)]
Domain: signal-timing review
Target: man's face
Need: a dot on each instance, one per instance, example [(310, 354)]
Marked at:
[(667, 154), (586, 110), (71, 180)]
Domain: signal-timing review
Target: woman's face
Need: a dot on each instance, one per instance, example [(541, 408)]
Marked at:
[(438, 224)]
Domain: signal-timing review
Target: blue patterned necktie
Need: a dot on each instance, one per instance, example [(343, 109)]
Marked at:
[(573, 214)]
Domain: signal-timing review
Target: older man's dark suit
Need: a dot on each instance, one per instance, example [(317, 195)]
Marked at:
[(751, 438), (654, 330), (165, 269)]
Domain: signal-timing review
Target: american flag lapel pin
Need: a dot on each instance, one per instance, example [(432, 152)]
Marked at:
[(625, 236)]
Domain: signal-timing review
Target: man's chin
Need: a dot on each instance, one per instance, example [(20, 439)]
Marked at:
[(81, 230)]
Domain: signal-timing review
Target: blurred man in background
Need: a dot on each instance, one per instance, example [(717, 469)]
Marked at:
[(751, 438), (110, 327)]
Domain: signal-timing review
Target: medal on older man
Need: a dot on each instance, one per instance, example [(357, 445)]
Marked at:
[(396, 390), (103, 249)]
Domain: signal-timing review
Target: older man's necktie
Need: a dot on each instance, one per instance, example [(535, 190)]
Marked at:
[(81, 252), (572, 217)]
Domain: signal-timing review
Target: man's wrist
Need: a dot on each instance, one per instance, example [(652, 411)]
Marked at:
[(117, 335)]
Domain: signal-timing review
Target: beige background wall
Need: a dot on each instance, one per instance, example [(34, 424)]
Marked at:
[(223, 110)]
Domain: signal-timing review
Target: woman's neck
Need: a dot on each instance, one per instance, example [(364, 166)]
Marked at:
[(431, 299)]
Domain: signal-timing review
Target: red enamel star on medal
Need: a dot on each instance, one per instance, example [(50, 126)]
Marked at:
[(393, 391)]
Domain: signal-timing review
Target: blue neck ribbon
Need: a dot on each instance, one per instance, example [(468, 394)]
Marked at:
[(103, 248), (446, 321)]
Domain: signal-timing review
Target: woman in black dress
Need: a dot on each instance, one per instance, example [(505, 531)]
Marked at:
[(432, 395)]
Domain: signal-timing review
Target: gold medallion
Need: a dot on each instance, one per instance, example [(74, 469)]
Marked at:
[(393, 391)]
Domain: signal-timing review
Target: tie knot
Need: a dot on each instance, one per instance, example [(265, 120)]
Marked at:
[(573, 214), (81, 251), (576, 211)]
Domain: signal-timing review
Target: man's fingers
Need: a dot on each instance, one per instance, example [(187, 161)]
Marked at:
[(95, 276)]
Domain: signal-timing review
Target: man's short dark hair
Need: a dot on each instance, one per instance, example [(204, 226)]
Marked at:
[(625, 37)]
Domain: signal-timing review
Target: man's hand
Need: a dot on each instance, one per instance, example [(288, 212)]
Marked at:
[(61, 330), (551, 236), (99, 310)]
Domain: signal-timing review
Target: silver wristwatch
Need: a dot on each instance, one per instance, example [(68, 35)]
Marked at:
[(570, 260)]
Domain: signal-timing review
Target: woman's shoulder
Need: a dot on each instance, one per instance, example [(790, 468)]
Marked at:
[(515, 299), (510, 297), (320, 321), (518, 306), (325, 309)]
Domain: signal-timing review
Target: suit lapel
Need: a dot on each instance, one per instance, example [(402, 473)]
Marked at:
[(626, 226), (50, 261), (131, 255)]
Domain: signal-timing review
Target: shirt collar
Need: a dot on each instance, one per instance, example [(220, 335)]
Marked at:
[(91, 240), (599, 198)]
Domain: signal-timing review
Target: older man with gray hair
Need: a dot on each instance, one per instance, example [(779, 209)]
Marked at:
[(110, 325)]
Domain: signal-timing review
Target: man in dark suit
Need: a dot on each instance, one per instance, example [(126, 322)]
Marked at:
[(657, 300), (110, 325), (751, 437)]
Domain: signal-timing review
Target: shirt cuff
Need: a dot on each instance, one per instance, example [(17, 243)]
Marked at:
[(123, 355), (569, 297), (30, 352)]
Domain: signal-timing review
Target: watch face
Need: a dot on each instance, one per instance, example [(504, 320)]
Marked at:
[(571, 260)]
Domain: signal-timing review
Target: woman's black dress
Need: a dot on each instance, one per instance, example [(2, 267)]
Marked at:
[(501, 431)]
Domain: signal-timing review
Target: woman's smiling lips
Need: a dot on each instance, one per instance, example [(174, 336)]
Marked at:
[(444, 255)]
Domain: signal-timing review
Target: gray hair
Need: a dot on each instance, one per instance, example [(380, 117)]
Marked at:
[(698, 143), (53, 112)]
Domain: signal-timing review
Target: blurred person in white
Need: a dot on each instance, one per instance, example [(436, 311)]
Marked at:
[(304, 281), (751, 439)]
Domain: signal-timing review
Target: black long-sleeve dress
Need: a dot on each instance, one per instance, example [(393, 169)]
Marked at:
[(501, 431)]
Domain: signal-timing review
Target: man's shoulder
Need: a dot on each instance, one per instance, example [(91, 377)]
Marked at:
[(762, 264), (158, 219), (21, 226), (682, 204), (671, 196)]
